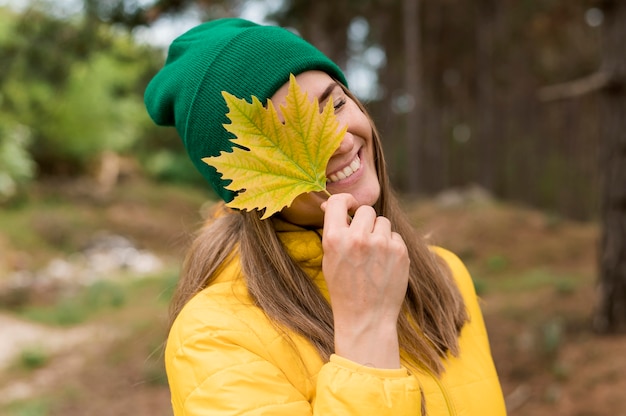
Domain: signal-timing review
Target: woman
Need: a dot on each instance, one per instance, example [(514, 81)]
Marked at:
[(333, 306)]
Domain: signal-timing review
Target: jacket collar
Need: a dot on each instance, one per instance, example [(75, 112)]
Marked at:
[(304, 245)]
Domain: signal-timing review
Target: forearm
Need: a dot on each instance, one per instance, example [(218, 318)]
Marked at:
[(372, 346)]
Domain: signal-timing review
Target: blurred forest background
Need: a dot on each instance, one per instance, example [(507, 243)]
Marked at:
[(498, 119), (72, 90)]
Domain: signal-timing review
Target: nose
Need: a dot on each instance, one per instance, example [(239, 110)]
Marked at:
[(346, 144)]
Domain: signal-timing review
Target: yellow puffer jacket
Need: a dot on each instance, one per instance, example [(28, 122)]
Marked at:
[(224, 357)]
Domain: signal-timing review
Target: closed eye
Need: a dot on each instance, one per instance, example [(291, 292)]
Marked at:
[(340, 103)]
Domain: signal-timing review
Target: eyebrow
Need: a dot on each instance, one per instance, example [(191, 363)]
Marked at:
[(329, 89)]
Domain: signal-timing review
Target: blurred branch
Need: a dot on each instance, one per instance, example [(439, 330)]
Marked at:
[(144, 16), (595, 82), (132, 17)]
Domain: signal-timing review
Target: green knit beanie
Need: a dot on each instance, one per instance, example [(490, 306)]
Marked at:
[(232, 55)]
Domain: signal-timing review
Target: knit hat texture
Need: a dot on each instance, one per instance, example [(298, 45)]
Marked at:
[(232, 55)]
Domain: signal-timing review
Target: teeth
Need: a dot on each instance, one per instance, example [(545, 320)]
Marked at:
[(346, 172)]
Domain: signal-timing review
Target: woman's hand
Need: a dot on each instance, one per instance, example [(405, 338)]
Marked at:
[(366, 267)]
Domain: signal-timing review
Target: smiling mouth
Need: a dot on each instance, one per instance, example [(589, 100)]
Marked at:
[(346, 172)]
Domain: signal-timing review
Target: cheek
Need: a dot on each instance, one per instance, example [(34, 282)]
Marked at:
[(305, 210), (373, 184), (352, 116), (365, 131)]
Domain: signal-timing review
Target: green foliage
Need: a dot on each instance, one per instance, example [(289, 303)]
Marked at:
[(514, 281), (46, 225), (561, 371), (172, 166), (16, 165), (102, 295), (94, 113), (565, 287), (480, 286), (39, 407), (497, 263), (64, 313), (552, 337), (33, 357), (77, 87)]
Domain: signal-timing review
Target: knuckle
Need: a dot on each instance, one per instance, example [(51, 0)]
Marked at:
[(398, 244), (383, 220), (359, 243), (365, 209), (378, 241), (331, 239)]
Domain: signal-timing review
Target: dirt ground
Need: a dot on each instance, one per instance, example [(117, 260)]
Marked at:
[(535, 274), (538, 306)]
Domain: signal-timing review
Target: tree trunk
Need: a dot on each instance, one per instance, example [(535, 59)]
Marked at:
[(413, 90), (391, 79), (611, 312), (487, 145)]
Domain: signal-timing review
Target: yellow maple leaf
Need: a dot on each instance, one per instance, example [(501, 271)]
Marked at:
[(281, 160)]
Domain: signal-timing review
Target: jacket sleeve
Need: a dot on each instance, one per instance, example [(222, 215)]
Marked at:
[(212, 372), (221, 370), (347, 388)]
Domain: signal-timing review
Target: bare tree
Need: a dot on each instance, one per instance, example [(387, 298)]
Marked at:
[(485, 16), (611, 311), (609, 81), (413, 88)]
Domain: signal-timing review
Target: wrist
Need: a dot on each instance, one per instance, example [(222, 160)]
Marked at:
[(376, 347)]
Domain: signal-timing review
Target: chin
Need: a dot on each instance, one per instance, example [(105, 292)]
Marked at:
[(369, 200)]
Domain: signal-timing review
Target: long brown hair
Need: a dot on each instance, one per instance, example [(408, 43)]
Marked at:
[(432, 315)]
